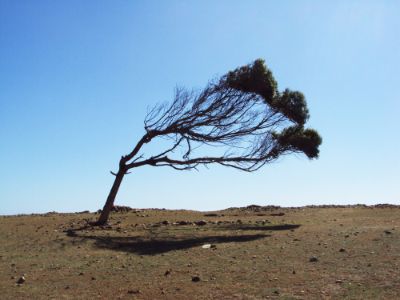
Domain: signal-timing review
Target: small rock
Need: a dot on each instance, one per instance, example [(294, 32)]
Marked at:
[(313, 259), (182, 223), (387, 232), (165, 222), (21, 280), (294, 272), (168, 272), (195, 278), (339, 281), (342, 250), (134, 291), (277, 214), (200, 223)]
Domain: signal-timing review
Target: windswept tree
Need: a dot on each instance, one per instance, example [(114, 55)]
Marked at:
[(240, 120)]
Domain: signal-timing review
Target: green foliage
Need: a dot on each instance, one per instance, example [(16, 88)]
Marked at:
[(293, 105), (257, 78), (296, 138), (254, 78)]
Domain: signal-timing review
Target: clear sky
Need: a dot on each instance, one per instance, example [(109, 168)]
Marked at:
[(76, 78)]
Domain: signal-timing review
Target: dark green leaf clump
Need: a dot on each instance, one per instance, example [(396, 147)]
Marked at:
[(296, 138), (293, 105), (254, 78), (257, 78)]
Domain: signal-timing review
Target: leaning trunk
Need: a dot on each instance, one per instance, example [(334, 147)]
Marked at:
[(110, 199)]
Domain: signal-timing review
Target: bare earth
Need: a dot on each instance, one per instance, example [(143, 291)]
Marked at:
[(249, 253)]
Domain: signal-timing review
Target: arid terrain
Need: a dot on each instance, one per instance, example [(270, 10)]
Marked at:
[(254, 252)]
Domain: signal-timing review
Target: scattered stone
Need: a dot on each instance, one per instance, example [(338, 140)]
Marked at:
[(168, 272), (277, 214), (294, 272), (21, 280), (195, 278), (387, 232), (313, 259), (165, 222), (134, 291), (342, 250), (81, 274), (121, 209), (182, 223), (339, 281), (201, 223), (93, 278)]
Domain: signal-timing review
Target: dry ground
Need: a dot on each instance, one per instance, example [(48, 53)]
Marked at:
[(254, 255)]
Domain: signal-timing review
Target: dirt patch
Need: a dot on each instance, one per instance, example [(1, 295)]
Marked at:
[(240, 253)]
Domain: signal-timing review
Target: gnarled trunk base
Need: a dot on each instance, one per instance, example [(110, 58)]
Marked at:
[(105, 213)]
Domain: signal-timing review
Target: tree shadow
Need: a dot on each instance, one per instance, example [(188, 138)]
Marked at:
[(239, 226), (159, 245), (149, 246)]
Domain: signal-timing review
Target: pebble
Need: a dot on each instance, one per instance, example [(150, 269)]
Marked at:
[(21, 280), (195, 278), (313, 259), (200, 223)]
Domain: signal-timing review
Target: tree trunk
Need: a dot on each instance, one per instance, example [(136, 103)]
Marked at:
[(111, 197)]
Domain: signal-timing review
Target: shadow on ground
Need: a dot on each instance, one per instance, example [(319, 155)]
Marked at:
[(259, 227), (144, 246), (152, 245)]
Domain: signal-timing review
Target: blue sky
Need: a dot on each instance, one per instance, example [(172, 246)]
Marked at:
[(76, 78)]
